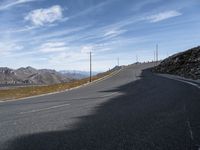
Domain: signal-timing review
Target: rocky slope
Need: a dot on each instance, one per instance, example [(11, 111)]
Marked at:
[(31, 75), (185, 64)]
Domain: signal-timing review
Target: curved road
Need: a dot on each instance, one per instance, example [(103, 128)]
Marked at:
[(132, 110)]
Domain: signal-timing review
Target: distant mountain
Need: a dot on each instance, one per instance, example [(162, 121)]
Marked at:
[(185, 64), (31, 75), (116, 68), (76, 74)]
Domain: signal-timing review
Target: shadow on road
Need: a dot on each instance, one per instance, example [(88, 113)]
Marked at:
[(149, 115)]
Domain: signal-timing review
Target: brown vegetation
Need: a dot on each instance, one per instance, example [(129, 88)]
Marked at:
[(21, 92)]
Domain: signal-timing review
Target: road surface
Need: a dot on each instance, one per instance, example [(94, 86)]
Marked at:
[(132, 110)]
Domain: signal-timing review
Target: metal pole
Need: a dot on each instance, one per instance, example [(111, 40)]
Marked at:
[(157, 53), (136, 58), (154, 56), (118, 61), (90, 66)]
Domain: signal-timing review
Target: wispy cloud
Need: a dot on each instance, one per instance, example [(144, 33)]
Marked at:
[(8, 4), (42, 32), (7, 48), (163, 16), (68, 57), (60, 33), (41, 17), (91, 9), (114, 32), (53, 47), (87, 49), (24, 29)]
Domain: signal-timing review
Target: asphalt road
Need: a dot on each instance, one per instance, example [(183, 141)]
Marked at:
[(133, 110)]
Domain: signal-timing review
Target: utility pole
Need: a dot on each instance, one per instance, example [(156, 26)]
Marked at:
[(136, 58), (118, 61), (156, 53), (90, 66)]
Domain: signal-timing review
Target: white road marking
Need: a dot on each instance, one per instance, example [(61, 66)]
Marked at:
[(190, 130), (184, 81), (110, 94), (188, 124), (191, 83), (106, 77), (187, 120), (43, 109), (74, 88), (58, 106)]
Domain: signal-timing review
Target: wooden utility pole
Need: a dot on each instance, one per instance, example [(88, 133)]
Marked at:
[(90, 66), (118, 61), (136, 58), (156, 53)]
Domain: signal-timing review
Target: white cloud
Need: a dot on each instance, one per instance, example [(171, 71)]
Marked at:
[(163, 16), (53, 47), (69, 57), (12, 3), (114, 32), (7, 48), (94, 48), (87, 49), (40, 17), (24, 29)]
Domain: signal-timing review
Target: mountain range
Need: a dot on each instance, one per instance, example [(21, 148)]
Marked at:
[(29, 75), (77, 74)]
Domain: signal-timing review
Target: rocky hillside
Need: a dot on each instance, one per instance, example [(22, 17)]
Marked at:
[(31, 75), (186, 64)]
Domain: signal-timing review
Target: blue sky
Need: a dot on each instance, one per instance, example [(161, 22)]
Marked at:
[(58, 34)]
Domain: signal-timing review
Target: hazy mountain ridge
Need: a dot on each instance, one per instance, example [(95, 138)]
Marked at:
[(31, 75), (76, 74), (185, 64)]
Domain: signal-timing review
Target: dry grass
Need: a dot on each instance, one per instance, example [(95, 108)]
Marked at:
[(21, 92)]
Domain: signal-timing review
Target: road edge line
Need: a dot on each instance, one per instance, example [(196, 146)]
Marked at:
[(180, 80), (70, 89)]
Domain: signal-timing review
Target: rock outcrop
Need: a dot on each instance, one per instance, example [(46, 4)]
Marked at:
[(185, 64)]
